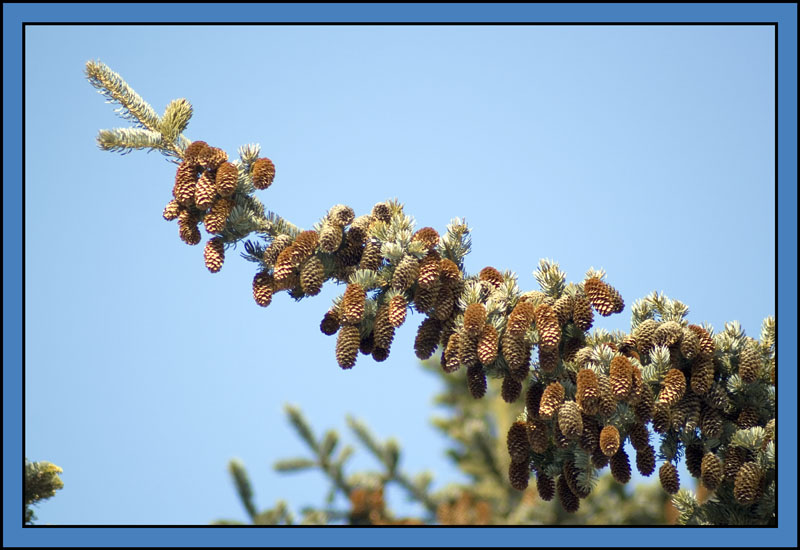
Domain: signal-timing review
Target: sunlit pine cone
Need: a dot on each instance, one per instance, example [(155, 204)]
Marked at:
[(711, 423), (341, 215), (600, 296), (563, 309), (706, 341), (569, 420), (582, 315), (607, 403), (552, 398), (214, 254), (690, 344), (451, 363), (347, 344), (609, 440), (646, 460), (428, 236), (187, 228), (510, 389), (474, 319), (643, 408), (621, 466), (212, 158), (491, 276), (205, 191), (185, 182), (645, 335), (620, 373), (668, 334), (426, 298), (312, 276), (353, 301), (371, 256), (429, 270), (263, 288), (172, 210), (194, 152), (226, 179), (662, 417), (383, 329), (513, 350), (427, 338), (672, 387), (711, 471), (488, 345), (467, 350), (217, 216), (749, 363), (330, 238), (548, 327), (520, 319), (476, 381), (263, 173), (406, 273)]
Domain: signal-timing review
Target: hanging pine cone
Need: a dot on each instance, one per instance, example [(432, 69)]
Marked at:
[(262, 288), (570, 473), (711, 423), (278, 245), (517, 442), (646, 460), (639, 435), (476, 381), (645, 335), (599, 460), (571, 348), (711, 471), (620, 373), (548, 358), (467, 350), (643, 408), (668, 475), (520, 319), (488, 345), (590, 436), (226, 179), (533, 399), (444, 303), (749, 363), (748, 418), (609, 440), (304, 246), (205, 191), (616, 298), (563, 309), (552, 398), (367, 345), (406, 273), (214, 254), (538, 435), (194, 152), (330, 238), (662, 417), (706, 341), (451, 363), (330, 323), (172, 210), (449, 272), (382, 212), (548, 327), (185, 182), (371, 256), (690, 344), (380, 354), (397, 310), (511, 389), (263, 173), (187, 228), (607, 403), (427, 338), (621, 466), (569, 502), (429, 270), (702, 375), (600, 296), (474, 319), (694, 459), (518, 475), (383, 329), (734, 458), (587, 394), (513, 350), (425, 298), (582, 315), (545, 486), (353, 301), (569, 420), (312, 276), (347, 344), (217, 216), (428, 236), (673, 387), (491, 276)]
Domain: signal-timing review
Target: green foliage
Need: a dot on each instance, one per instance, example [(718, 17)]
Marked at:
[(41, 483)]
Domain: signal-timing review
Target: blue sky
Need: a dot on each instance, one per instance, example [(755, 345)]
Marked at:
[(645, 151)]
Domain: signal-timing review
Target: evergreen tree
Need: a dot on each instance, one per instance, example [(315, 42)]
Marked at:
[(41, 482), (708, 397)]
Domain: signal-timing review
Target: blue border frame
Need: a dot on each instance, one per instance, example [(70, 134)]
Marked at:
[(784, 14)]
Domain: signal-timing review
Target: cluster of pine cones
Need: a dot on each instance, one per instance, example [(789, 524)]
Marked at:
[(205, 184), (578, 411)]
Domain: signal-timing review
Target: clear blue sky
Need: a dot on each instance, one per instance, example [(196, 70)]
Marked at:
[(645, 151)]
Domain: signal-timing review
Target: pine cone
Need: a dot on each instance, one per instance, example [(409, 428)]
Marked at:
[(397, 310), (382, 212), (367, 345), (694, 459), (347, 344), (563, 309), (330, 238), (533, 399), (426, 298), (643, 408), (711, 423), (570, 473), (428, 236), (488, 345), (371, 256), (518, 474), (187, 228), (449, 271), (214, 254), (172, 210), (263, 173), (262, 288), (621, 375), (702, 375), (607, 403), (548, 327), (609, 440), (711, 471), (194, 152), (673, 387), (520, 319), (552, 398), (590, 437), (545, 486), (217, 216), (668, 475), (312, 276), (600, 296), (690, 344), (467, 350), (341, 215), (582, 315), (569, 420), (646, 460), (749, 363), (226, 179), (451, 363), (352, 308), (406, 273), (734, 458), (278, 245), (569, 501), (706, 341), (513, 350), (474, 319), (185, 183), (445, 303), (645, 335), (384, 331), (212, 158), (330, 323), (429, 270), (205, 191), (748, 418), (427, 338), (517, 442), (599, 460), (662, 417), (476, 381), (511, 389), (491, 276), (621, 466), (538, 435), (668, 334), (548, 358)]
